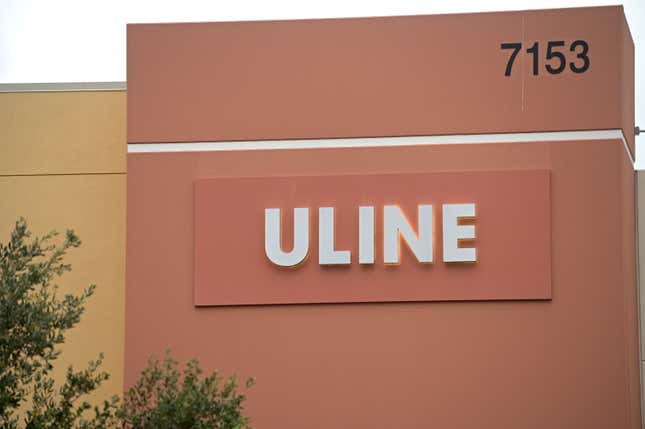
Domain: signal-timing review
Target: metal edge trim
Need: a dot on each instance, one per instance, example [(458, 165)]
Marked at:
[(62, 86)]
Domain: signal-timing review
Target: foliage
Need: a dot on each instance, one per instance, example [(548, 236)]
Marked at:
[(33, 322), (165, 398)]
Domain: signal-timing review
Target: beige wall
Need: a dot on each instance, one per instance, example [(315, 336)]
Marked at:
[(62, 165)]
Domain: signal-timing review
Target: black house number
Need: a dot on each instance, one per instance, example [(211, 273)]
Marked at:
[(555, 58)]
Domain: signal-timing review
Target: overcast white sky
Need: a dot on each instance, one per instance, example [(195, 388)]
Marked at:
[(84, 40)]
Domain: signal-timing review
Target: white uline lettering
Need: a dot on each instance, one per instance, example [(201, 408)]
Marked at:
[(273, 233), (396, 228), (327, 255), (366, 235), (395, 225), (453, 232)]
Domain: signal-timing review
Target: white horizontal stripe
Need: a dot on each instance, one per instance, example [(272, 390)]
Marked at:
[(62, 86), (380, 142)]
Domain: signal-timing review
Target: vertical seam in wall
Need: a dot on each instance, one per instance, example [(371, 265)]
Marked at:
[(638, 292), (523, 61), (626, 311)]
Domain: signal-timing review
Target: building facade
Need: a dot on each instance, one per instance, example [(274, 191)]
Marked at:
[(388, 222)]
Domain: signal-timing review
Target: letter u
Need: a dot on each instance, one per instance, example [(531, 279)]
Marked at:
[(273, 234)]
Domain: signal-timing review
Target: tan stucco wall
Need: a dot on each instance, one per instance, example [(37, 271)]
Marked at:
[(62, 165)]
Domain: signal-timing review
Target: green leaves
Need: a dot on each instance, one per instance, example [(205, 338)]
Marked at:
[(63, 408), (166, 398), (33, 323)]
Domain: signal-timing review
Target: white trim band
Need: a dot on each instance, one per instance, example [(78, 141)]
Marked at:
[(381, 142), (63, 87)]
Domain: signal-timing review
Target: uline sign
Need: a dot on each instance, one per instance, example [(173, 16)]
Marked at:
[(395, 227), (372, 238)]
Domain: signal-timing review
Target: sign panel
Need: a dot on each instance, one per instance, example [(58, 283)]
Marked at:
[(373, 238)]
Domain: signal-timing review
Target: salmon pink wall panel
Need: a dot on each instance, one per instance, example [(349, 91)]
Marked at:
[(540, 332), (390, 76), (499, 364)]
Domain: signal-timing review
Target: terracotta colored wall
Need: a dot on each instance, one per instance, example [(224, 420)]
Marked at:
[(568, 362), (62, 165), (416, 75), (501, 364)]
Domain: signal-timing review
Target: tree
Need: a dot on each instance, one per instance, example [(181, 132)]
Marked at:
[(33, 322), (166, 398)]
